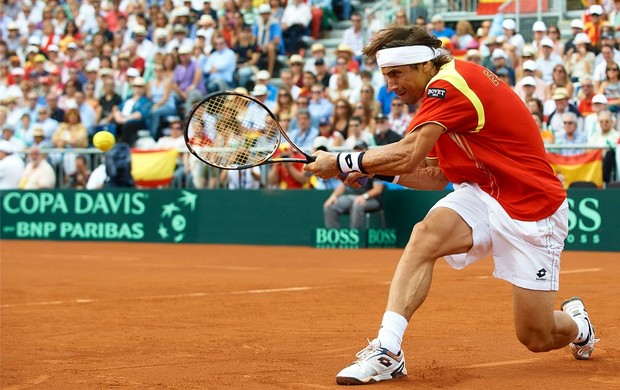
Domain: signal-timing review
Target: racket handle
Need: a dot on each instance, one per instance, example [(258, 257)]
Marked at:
[(360, 180)]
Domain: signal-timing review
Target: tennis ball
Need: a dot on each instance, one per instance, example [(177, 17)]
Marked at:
[(104, 140)]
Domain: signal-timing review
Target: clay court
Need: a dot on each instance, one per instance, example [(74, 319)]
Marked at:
[(88, 315)]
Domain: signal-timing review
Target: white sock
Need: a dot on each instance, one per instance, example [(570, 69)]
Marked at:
[(584, 330), (392, 330)]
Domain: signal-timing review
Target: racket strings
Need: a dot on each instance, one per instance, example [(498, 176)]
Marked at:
[(231, 131)]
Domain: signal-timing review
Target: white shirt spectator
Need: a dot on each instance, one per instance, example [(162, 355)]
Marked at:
[(11, 167)]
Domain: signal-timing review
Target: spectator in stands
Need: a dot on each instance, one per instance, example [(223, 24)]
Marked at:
[(540, 88), (187, 80), (176, 141), (581, 61), (284, 104), (341, 69), (220, 66), (571, 135), (295, 22), (367, 99), (261, 94), (133, 114), (78, 179), (398, 117), (384, 134), (539, 29), (38, 173), (287, 82), (353, 201), (591, 124), (586, 94), (547, 62), (500, 61), (464, 37), (269, 37), (71, 133), (509, 27), (318, 52), (287, 175), (319, 106), (560, 80), (592, 28), (342, 115), (357, 134), (322, 72), (342, 89), (555, 122), (353, 37), (160, 93), (87, 113), (608, 135), (179, 39), (296, 63), (605, 59), (440, 29), (11, 167), (611, 87), (303, 133), (108, 103), (248, 54), (333, 138)]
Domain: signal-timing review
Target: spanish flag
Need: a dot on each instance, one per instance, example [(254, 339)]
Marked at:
[(153, 168), (580, 167), (490, 7)]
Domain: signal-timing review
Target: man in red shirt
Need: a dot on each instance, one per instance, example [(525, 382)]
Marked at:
[(474, 131)]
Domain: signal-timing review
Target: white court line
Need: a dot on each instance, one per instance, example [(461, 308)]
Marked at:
[(499, 364), (174, 296)]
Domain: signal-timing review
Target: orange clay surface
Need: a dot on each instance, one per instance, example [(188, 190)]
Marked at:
[(86, 315)]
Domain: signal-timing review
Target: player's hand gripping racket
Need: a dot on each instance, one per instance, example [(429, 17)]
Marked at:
[(230, 130)]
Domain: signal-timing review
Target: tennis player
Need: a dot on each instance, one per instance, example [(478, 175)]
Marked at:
[(474, 131)]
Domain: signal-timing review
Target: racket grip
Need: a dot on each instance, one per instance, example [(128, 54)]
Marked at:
[(360, 180)]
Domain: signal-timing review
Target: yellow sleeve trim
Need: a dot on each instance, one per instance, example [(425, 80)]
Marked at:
[(448, 73)]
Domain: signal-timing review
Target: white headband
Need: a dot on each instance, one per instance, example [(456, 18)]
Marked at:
[(405, 55)]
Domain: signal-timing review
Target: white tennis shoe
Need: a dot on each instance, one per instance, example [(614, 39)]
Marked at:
[(373, 364), (575, 308)]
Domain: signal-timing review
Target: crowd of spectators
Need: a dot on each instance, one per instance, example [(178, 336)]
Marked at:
[(69, 69)]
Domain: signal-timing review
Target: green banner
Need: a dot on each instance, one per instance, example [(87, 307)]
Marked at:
[(275, 217)]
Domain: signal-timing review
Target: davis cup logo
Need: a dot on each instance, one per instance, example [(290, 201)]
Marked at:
[(172, 222)]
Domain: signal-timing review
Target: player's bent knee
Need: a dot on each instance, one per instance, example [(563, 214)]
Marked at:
[(535, 341), (424, 239)]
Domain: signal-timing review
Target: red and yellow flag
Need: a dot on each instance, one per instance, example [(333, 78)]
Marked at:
[(587, 166), (153, 168), (490, 7)]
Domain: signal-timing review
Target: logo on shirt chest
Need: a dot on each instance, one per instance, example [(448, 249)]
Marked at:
[(437, 93)]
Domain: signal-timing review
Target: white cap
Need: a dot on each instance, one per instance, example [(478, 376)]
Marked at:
[(161, 33), (529, 65), (296, 59), (320, 141), (595, 10), (12, 26), (546, 41), (539, 25), (581, 38), (599, 98), (92, 68), (34, 40), (133, 72), (182, 11), (528, 80), (473, 53), (32, 49), (499, 53), (437, 18), (260, 90), (185, 49), (139, 30), (72, 45), (577, 23), (263, 75), (202, 33), (205, 19), (509, 24), (18, 72), (52, 47), (138, 81), (264, 9)]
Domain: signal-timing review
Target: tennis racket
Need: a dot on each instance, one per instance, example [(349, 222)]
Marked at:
[(230, 130)]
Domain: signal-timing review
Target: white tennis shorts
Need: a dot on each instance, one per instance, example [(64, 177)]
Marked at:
[(526, 254)]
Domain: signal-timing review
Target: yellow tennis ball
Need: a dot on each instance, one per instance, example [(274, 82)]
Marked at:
[(104, 140)]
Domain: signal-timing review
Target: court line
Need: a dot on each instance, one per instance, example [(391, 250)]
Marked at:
[(173, 296), (505, 363)]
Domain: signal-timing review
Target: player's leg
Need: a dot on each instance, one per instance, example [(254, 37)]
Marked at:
[(442, 232), (538, 326)]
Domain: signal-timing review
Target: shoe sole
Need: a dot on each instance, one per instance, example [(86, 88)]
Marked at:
[(574, 348), (348, 381)]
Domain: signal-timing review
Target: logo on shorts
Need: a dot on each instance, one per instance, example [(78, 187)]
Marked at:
[(541, 274), (438, 93)]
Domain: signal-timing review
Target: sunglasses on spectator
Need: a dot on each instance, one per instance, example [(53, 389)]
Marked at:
[(614, 69), (397, 104), (569, 122)]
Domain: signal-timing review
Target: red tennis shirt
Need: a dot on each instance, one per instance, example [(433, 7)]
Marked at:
[(490, 139)]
